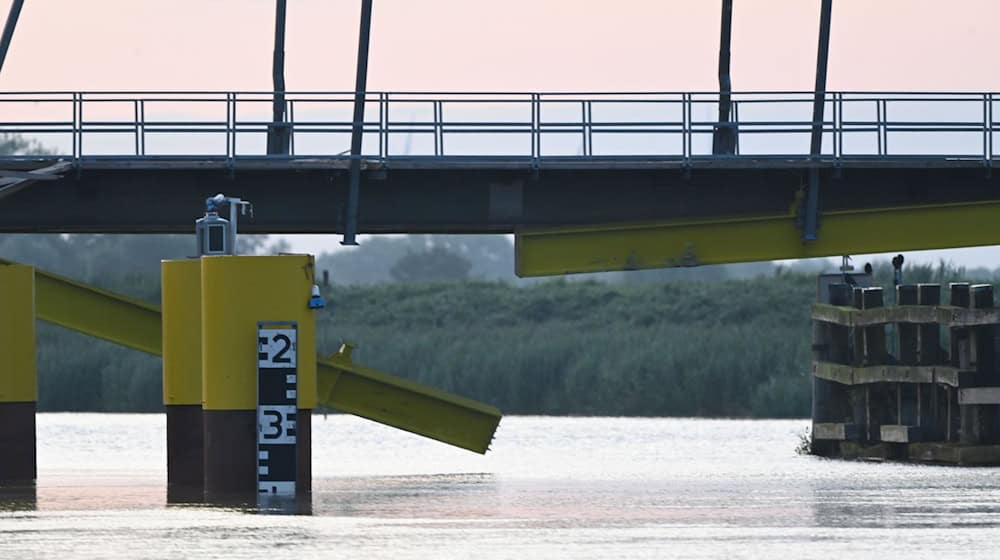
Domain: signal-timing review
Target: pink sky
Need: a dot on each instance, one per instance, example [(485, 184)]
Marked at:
[(526, 45)]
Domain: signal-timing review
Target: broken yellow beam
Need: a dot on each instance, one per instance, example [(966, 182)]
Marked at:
[(342, 385), (602, 248), (388, 399)]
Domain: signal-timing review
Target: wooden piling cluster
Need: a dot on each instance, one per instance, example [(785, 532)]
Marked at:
[(935, 397)]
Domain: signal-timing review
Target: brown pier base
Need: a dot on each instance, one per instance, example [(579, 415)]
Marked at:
[(17, 443), (231, 455), (185, 454)]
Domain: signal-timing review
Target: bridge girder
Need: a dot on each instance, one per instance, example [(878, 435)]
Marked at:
[(130, 198), (758, 238)]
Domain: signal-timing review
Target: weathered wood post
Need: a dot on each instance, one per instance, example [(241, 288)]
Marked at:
[(831, 412), (976, 349), (933, 397), (880, 398), (909, 409), (961, 358), (906, 333)]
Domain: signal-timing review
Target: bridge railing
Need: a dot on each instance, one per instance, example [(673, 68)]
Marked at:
[(505, 126)]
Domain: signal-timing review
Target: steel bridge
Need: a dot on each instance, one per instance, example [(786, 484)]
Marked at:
[(487, 163), (587, 181)]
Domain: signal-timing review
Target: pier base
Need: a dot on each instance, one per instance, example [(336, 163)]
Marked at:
[(185, 454), (17, 443)]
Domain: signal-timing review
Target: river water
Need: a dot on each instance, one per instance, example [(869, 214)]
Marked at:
[(550, 488)]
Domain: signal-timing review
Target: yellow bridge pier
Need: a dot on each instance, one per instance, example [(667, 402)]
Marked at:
[(18, 385), (181, 304), (210, 369), (237, 292)]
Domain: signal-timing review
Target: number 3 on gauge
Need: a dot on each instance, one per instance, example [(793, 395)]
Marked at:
[(276, 424)]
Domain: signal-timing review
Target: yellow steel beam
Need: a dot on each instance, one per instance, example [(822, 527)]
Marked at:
[(405, 404), (342, 384), (602, 248), (95, 312)]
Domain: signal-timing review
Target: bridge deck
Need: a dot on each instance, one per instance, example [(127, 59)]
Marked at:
[(483, 163)]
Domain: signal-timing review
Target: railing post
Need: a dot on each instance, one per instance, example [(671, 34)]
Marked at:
[(736, 129), (291, 127), (885, 127), (78, 125), (590, 128), (383, 125), (142, 126), (878, 126), (536, 129), (989, 125), (440, 125), (836, 126), (839, 132), (434, 127), (986, 130), (686, 127), (230, 126)]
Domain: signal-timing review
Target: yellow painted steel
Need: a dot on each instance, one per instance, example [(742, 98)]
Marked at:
[(391, 400), (602, 248), (18, 379), (237, 292), (346, 386), (181, 304), (96, 312)]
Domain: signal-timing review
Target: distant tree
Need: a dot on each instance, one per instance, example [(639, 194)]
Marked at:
[(491, 257), (436, 264), (13, 144)]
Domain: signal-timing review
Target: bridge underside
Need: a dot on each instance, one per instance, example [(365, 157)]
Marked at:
[(502, 196)]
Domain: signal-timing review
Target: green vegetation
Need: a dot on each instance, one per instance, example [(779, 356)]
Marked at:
[(736, 348)]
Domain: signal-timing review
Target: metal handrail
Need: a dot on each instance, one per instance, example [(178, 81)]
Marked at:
[(531, 126)]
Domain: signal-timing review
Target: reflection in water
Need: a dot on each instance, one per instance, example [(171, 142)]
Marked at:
[(552, 487), (18, 498), (909, 496), (435, 496), (284, 505)]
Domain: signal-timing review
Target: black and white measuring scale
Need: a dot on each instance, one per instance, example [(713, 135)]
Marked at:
[(277, 409)]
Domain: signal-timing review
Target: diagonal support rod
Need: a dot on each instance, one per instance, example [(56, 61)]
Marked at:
[(724, 139), (357, 126), (278, 133), (8, 29), (811, 224), (11, 182)]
